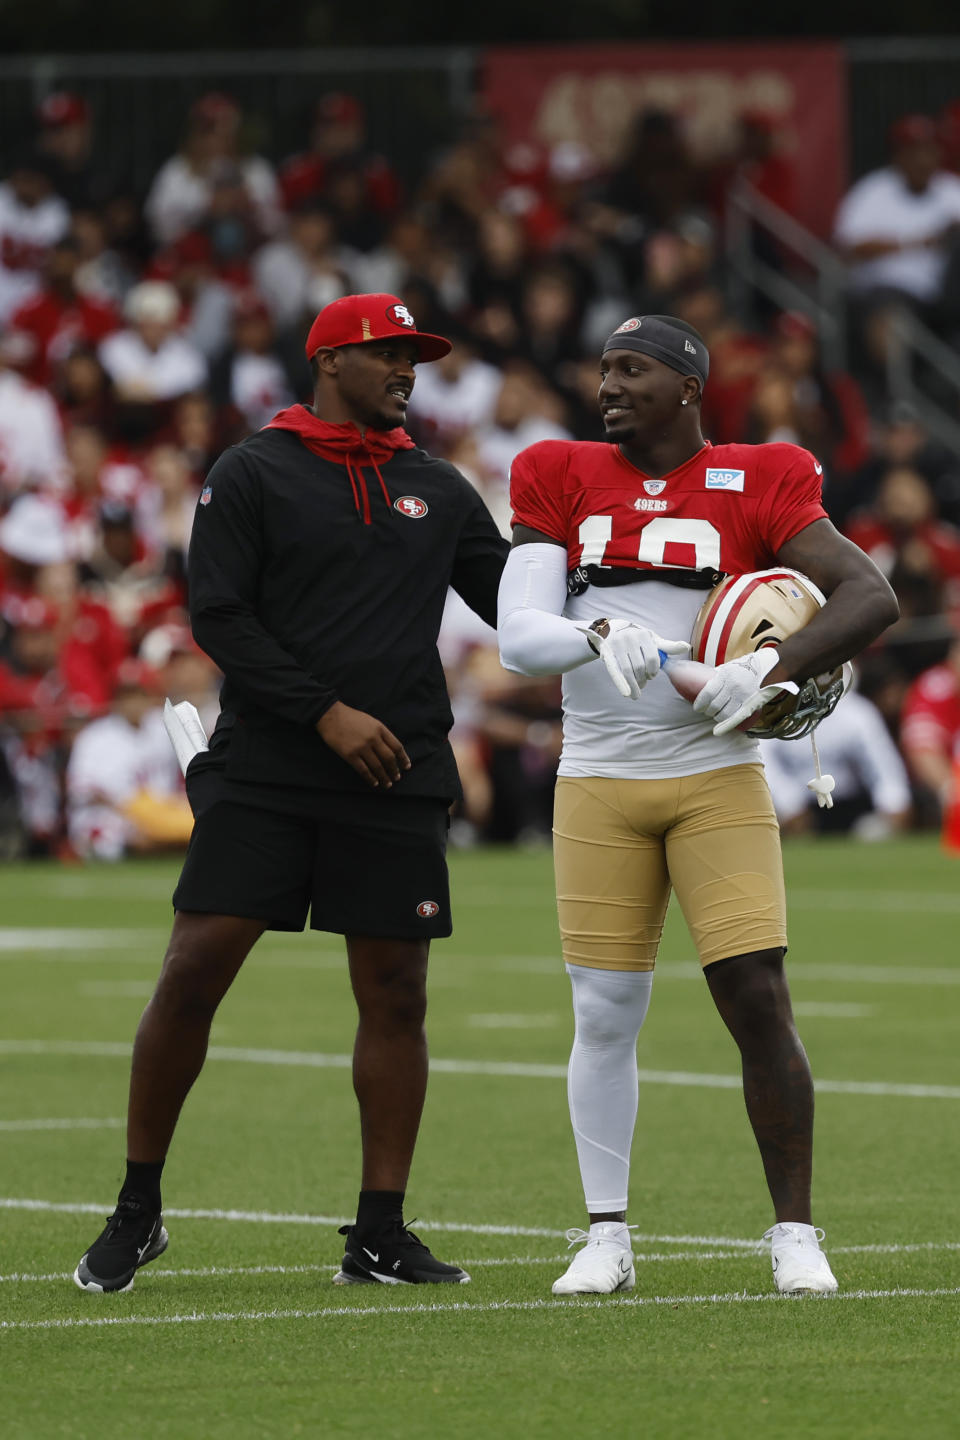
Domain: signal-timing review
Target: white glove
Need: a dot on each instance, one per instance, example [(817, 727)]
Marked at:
[(631, 653), (736, 690)]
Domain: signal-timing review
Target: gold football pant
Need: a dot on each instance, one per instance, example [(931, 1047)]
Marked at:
[(621, 845)]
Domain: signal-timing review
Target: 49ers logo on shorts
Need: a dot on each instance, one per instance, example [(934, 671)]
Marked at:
[(400, 315), (412, 506), (427, 909)]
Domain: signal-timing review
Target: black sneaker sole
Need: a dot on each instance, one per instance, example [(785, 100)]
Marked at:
[(85, 1280), (352, 1273)]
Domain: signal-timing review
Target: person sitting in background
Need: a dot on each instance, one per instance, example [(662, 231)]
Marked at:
[(31, 436), (65, 140), (307, 267), (60, 318), (930, 728), (39, 710), (338, 136), (33, 533), (831, 416), (251, 374), (900, 440), (918, 553), (151, 362), (456, 394), (124, 789), (527, 411), (120, 574), (167, 509), (32, 218), (551, 309), (872, 793), (896, 224), (182, 192)]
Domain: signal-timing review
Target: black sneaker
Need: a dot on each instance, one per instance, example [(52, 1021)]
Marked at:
[(393, 1257), (133, 1236)]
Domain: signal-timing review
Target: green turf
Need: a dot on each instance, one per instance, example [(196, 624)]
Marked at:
[(875, 967)]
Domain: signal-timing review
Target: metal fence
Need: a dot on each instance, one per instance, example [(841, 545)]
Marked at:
[(890, 78), (414, 96), (414, 99)]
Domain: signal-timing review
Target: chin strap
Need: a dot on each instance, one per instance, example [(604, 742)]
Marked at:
[(821, 785)]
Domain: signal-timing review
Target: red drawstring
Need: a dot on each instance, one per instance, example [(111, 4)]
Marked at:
[(353, 487), (355, 468), (383, 483)]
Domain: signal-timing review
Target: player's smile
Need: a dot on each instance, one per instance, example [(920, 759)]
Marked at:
[(629, 392)]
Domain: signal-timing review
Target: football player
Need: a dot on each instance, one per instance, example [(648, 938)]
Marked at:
[(614, 548)]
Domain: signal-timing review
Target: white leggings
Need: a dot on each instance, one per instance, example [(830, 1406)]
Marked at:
[(609, 1008)]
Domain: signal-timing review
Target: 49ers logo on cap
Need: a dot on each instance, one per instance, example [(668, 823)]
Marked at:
[(400, 315), (411, 506), (632, 324), (427, 909)]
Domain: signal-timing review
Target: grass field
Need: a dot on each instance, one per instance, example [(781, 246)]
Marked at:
[(237, 1330)]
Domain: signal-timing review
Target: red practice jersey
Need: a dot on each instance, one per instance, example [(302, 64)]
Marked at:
[(730, 508)]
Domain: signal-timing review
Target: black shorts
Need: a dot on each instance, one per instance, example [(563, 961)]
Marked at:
[(360, 865)]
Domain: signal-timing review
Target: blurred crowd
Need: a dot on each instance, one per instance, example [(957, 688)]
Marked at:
[(141, 334)]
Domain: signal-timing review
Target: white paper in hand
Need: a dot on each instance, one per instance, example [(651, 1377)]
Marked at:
[(185, 728)]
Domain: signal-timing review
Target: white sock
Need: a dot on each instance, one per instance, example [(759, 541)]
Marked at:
[(609, 1007)]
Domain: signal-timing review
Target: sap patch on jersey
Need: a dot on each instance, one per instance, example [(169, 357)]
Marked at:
[(725, 479)]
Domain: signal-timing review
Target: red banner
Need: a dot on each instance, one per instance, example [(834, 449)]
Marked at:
[(591, 93)]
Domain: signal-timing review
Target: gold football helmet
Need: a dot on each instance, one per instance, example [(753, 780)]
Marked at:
[(746, 612)]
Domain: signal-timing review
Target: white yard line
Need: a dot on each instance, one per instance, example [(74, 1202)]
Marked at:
[(74, 939), (87, 946), (75, 1124), (518, 1069), (504, 1262), (714, 1243), (462, 1307)]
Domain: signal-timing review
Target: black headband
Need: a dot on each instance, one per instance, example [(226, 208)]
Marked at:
[(681, 349)]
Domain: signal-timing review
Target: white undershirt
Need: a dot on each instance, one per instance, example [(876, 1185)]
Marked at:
[(603, 734)]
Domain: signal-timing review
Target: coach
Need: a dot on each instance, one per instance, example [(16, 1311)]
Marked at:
[(321, 554)]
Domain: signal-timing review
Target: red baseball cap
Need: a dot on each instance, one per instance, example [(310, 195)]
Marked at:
[(63, 108), (913, 130), (358, 319)]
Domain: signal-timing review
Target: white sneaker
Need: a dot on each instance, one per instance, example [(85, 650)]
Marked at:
[(604, 1265), (799, 1265)]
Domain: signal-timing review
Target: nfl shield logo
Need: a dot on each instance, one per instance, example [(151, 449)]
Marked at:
[(206, 495)]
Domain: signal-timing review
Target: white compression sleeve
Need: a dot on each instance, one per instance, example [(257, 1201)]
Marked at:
[(534, 637), (609, 1007)]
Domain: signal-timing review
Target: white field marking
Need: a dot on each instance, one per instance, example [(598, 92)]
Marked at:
[(685, 970), (942, 902), (269, 1217), (74, 939), (485, 1261), (710, 1246), (315, 1060), (79, 1124), (86, 947), (467, 1307), (828, 1010), (512, 1022)]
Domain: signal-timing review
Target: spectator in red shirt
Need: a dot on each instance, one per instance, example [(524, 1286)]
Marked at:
[(796, 400), (918, 553), (61, 318), (338, 140), (930, 727)]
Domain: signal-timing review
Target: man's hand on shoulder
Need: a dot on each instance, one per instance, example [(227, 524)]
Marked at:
[(366, 744)]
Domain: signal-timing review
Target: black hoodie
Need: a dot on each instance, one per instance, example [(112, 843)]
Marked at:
[(318, 568)]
